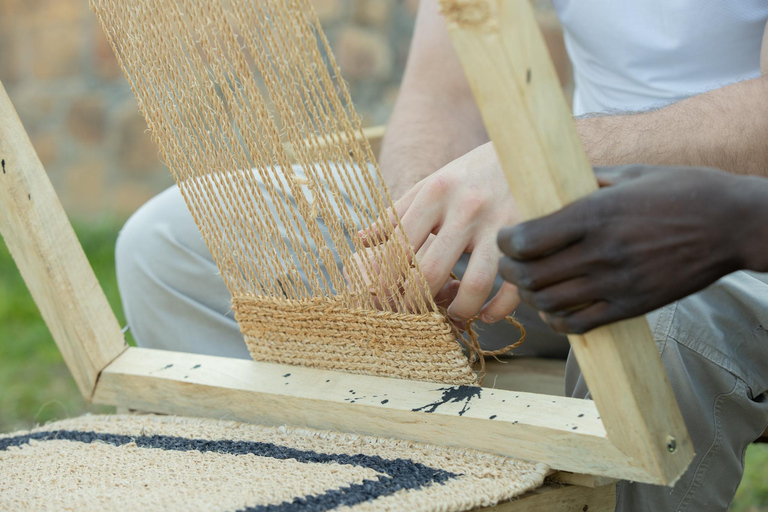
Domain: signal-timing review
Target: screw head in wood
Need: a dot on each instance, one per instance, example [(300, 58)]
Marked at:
[(671, 444)]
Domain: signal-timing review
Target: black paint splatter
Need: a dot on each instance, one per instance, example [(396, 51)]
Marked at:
[(384, 402), (196, 367), (453, 394), (287, 375), (3, 166), (161, 369), (492, 417)]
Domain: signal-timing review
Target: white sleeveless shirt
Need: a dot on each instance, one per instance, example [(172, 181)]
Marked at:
[(636, 54)]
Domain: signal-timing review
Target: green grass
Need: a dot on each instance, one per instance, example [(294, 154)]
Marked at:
[(35, 386), (752, 495)]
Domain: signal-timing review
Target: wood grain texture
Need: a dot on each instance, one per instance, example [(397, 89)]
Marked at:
[(518, 93), (558, 498), (564, 433), (50, 258), (580, 479)]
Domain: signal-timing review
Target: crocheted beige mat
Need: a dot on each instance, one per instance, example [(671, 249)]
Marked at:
[(170, 463)]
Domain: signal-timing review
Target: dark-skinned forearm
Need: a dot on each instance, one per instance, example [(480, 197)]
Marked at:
[(725, 128)]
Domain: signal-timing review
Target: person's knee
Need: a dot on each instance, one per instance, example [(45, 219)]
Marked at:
[(173, 295), (130, 242), (154, 242), (139, 243)]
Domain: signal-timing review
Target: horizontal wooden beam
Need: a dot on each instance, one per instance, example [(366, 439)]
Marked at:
[(564, 433), (580, 479), (558, 498), (373, 134)]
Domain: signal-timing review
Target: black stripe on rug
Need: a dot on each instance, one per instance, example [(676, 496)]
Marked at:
[(402, 474)]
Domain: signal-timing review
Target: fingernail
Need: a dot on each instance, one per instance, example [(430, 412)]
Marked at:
[(460, 322), (487, 319)]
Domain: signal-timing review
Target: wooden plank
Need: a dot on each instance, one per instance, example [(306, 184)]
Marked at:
[(580, 479), (558, 498), (50, 258), (374, 134), (527, 117), (528, 374), (564, 433)]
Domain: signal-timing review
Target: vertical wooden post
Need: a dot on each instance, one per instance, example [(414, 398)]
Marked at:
[(519, 95), (50, 258)]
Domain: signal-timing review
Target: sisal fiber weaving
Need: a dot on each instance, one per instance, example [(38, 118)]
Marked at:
[(318, 271), (138, 463)]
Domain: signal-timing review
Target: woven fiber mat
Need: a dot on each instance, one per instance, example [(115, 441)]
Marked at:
[(144, 462)]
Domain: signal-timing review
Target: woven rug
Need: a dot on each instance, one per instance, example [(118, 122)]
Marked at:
[(170, 463)]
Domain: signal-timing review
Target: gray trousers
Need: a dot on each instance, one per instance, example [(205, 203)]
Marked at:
[(714, 346)]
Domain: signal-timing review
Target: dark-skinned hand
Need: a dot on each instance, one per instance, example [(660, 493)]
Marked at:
[(651, 236)]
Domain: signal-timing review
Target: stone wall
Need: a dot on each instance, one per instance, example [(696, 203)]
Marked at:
[(82, 117)]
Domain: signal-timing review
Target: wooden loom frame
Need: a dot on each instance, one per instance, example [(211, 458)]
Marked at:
[(632, 429)]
